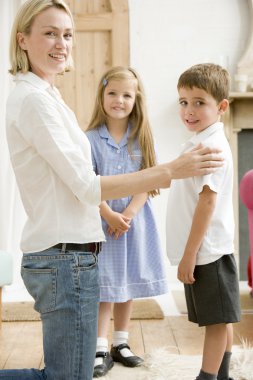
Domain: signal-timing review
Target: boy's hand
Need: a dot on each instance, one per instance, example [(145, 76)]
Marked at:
[(186, 270)]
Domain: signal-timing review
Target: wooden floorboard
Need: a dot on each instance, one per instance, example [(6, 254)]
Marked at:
[(158, 334), (189, 336), (136, 337), (244, 329), (10, 334), (20, 345), (21, 342)]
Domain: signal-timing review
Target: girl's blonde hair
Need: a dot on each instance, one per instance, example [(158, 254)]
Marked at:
[(23, 22), (141, 130)]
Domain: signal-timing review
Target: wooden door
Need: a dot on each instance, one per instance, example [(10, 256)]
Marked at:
[(102, 41)]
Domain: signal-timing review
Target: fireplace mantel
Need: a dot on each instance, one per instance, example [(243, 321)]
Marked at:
[(240, 95), (240, 113)]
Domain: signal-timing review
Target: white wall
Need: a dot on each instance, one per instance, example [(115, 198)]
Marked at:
[(166, 37), (11, 218)]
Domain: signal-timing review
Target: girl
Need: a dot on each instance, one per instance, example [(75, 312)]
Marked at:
[(131, 264)]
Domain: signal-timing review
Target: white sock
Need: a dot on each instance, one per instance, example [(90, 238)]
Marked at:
[(102, 346), (120, 337)]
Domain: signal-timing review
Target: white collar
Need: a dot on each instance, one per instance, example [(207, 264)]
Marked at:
[(198, 137), (37, 82), (32, 78)]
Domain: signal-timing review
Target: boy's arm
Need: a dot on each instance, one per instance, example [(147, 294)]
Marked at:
[(200, 223)]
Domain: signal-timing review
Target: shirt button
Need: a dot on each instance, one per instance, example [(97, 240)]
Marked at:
[(119, 167), (118, 151)]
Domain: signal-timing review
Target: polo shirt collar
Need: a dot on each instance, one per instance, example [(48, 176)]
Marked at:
[(199, 137), (103, 132)]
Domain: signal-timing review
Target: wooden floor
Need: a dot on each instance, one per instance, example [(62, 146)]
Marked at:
[(21, 342)]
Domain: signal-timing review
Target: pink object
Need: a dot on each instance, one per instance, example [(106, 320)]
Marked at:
[(246, 193)]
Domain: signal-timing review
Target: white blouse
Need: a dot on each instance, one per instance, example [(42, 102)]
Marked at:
[(51, 158)]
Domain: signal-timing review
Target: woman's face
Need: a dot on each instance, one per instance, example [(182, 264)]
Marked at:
[(49, 43)]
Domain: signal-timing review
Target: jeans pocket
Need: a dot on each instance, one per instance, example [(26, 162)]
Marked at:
[(41, 283), (87, 261)]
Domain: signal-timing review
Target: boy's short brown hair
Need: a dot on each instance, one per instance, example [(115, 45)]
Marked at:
[(212, 78)]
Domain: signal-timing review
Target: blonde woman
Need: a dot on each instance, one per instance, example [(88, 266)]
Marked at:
[(61, 193)]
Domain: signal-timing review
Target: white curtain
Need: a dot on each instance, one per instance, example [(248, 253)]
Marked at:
[(12, 215)]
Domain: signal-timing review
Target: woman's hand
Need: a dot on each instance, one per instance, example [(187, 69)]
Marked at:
[(199, 161)]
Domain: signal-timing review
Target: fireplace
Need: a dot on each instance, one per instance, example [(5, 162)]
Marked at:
[(238, 123), (239, 130)]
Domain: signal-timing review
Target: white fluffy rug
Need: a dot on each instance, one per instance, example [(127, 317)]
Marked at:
[(161, 364)]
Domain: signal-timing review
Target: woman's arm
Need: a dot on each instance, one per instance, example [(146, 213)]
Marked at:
[(200, 161)]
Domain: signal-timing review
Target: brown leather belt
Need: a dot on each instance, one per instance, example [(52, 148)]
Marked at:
[(84, 247)]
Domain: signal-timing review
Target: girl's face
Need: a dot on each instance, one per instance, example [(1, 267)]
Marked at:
[(49, 43), (198, 109), (119, 98)]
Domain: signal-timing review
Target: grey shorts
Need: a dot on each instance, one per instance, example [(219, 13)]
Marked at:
[(214, 297)]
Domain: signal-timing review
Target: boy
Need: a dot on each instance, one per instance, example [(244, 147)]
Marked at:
[(200, 221)]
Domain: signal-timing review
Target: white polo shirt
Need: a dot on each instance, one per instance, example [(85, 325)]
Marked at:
[(183, 198), (51, 158)]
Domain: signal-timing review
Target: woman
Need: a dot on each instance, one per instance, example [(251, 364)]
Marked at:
[(61, 193)]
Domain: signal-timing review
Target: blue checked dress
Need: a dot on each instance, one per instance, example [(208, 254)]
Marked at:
[(132, 266)]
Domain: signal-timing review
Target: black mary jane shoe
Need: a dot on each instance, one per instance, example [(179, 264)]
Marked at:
[(130, 361), (102, 369)]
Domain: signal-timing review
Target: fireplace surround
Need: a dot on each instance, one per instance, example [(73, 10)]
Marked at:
[(237, 121)]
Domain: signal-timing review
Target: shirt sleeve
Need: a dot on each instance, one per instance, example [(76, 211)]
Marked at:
[(214, 180), (43, 125), (93, 155)]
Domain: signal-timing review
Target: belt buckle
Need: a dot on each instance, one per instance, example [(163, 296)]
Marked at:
[(98, 246)]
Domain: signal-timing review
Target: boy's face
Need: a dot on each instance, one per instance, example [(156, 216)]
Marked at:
[(198, 109)]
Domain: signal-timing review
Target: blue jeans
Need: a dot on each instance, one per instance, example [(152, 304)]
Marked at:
[(66, 293)]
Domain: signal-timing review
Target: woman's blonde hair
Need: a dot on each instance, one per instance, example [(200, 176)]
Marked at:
[(23, 22), (141, 130)]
